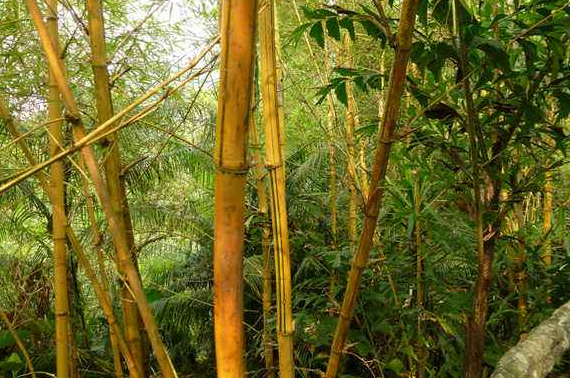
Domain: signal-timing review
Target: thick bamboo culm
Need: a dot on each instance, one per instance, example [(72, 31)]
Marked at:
[(119, 239), (274, 161), (237, 30), (61, 307), (261, 187), (115, 182), (376, 191), (102, 295)]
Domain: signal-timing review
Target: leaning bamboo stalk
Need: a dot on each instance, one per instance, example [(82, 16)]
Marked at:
[(263, 212), (376, 191), (237, 25), (19, 342), (103, 130), (274, 161), (118, 234), (73, 241), (115, 181), (61, 308)]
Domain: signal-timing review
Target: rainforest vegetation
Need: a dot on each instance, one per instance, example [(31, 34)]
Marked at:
[(268, 188)]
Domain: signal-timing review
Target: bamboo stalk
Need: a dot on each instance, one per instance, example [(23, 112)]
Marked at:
[(73, 241), (119, 238), (19, 342), (61, 310), (274, 159), (237, 25), (520, 262), (261, 187), (372, 206), (115, 181)]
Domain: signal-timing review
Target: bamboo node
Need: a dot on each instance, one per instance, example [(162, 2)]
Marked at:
[(272, 167), (232, 171)]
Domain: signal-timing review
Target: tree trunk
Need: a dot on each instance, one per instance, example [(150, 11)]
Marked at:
[(376, 191), (535, 356), (230, 157), (275, 163), (115, 181)]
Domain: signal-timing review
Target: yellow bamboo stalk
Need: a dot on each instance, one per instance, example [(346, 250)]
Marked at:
[(263, 212), (119, 238), (115, 181), (274, 157), (372, 206), (237, 30), (520, 262), (62, 321)]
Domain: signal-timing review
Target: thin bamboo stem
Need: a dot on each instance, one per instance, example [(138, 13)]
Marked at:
[(237, 25), (274, 159), (547, 224), (421, 350), (372, 206), (118, 234)]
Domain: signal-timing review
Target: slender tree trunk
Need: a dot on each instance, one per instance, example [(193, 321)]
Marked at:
[(520, 266), (230, 157), (62, 321), (376, 191), (119, 238), (115, 181), (274, 152), (263, 213), (102, 296)]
